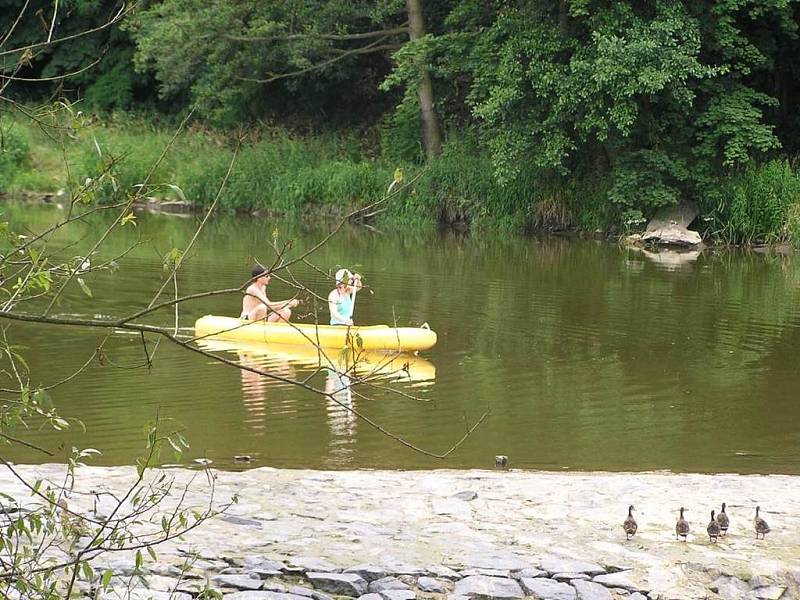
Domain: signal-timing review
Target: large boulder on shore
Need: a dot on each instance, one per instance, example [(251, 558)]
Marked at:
[(669, 226)]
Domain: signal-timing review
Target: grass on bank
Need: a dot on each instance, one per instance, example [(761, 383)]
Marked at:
[(280, 172), (333, 173)]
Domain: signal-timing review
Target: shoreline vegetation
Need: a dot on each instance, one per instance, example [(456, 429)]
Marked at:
[(325, 176)]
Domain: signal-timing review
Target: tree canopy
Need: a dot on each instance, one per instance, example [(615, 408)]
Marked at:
[(655, 98)]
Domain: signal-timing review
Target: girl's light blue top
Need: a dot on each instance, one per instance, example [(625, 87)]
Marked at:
[(344, 306)]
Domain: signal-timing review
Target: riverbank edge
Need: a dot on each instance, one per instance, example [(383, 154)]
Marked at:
[(500, 526), (332, 172), (326, 214)]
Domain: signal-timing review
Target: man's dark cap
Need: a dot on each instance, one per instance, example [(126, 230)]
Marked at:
[(257, 271)]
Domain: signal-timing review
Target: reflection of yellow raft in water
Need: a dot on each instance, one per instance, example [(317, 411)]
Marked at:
[(376, 337), (364, 363)]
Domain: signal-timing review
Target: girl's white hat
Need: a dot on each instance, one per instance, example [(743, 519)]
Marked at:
[(343, 276)]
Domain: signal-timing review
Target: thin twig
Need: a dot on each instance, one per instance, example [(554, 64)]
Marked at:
[(167, 335), (122, 12), (122, 213)]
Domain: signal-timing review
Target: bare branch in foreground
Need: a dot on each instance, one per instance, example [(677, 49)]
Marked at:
[(175, 340)]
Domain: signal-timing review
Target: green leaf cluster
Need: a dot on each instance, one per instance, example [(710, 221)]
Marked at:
[(659, 98)]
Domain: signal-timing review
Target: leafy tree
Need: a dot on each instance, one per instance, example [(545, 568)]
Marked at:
[(242, 61), (659, 97), (654, 100), (98, 58)]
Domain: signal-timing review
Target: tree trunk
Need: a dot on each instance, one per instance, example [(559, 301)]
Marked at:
[(431, 134), (563, 18)]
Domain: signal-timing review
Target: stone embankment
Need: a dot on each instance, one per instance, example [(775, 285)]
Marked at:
[(458, 535)]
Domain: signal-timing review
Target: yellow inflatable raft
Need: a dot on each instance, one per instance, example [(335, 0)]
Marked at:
[(375, 337)]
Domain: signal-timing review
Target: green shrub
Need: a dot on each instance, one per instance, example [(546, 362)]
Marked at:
[(757, 205), (32, 180), (13, 152), (113, 86), (793, 225), (459, 185), (275, 172), (401, 131)]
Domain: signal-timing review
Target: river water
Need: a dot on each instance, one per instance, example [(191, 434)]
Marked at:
[(586, 355)]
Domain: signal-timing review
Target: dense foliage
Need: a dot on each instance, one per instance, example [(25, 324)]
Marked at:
[(646, 103)]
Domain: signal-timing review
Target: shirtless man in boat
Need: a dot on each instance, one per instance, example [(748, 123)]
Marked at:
[(255, 304)]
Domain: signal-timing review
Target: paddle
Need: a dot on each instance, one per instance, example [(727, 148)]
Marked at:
[(355, 290)]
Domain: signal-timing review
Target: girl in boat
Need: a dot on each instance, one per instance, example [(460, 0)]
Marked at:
[(342, 300)]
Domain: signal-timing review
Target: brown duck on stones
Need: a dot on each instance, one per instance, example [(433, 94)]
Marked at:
[(681, 527), (722, 519), (629, 525), (762, 528), (713, 528)]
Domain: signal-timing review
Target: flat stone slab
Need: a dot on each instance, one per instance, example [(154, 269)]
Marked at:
[(240, 582), (488, 572), (310, 563), (370, 597), (387, 583), (202, 564), (467, 496), (264, 572), (618, 580), (589, 590), (368, 572), (730, 588), (273, 585), (120, 565), (499, 560), (397, 595), (489, 588), (548, 589), (529, 573), (143, 594), (431, 585), (757, 581), (401, 568), (259, 562), (570, 576), (443, 572), (452, 507), (339, 584), (261, 595), (237, 520), (553, 564), (772, 592)]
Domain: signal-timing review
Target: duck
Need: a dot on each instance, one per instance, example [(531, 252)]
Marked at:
[(629, 525), (722, 519), (681, 527), (761, 525), (713, 528)]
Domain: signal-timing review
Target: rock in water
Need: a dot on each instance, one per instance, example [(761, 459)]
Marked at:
[(669, 226)]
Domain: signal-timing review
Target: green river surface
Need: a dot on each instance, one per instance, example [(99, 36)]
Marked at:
[(588, 356)]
